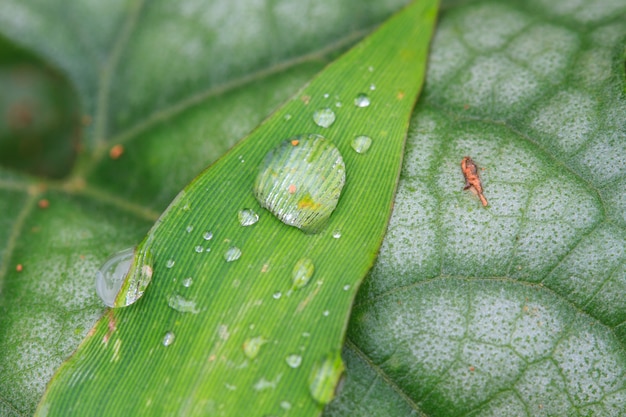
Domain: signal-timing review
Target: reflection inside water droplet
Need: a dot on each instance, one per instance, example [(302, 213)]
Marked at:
[(122, 280), (362, 100), (302, 273), (252, 346), (324, 117), (181, 304), (247, 217), (232, 254), (168, 339), (293, 361), (300, 182), (324, 377), (361, 144)]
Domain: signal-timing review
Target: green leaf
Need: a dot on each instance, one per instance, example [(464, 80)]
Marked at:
[(518, 308), (183, 343)]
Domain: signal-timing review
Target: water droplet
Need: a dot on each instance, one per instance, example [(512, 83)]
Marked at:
[(326, 313), (336, 234), (346, 287), (277, 295), (324, 377), (306, 334), (372, 87), (168, 339), (230, 387), (293, 361), (361, 144), (199, 249), (187, 282), (223, 332), (315, 168), (232, 254), (302, 273), (208, 235), (324, 117), (263, 384), (285, 405), (181, 304), (170, 263), (362, 100), (370, 68), (252, 346), (338, 104), (189, 229), (122, 279), (247, 217), (326, 95), (287, 116)]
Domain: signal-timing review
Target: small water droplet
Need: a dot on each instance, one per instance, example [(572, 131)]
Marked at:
[(316, 170), (252, 346), (370, 68), (168, 339), (208, 235), (302, 273), (326, 95), (285, 405), (362, 100), (336, 234), (170, 263), (287, 116), (361, 144), (324, 377), (346, 287), (232, 254), (324, 117), (199, 249), (181, 304), (372, 87), (306, 334), (293, 361), (187, 282), (122, 280), (247, 217), (338, 104), (326, 313), (189, 229), (223, 332), (230, 387), (263, 384), (277, 295)]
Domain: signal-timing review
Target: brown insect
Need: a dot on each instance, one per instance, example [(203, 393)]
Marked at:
[(472, 181)]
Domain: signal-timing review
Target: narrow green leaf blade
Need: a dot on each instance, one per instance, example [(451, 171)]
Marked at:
[(253, 342)]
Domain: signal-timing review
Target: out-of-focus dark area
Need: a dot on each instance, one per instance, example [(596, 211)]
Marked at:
[(40, 122)]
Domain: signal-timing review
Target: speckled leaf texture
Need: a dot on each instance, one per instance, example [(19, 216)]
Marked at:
[(516, 309)]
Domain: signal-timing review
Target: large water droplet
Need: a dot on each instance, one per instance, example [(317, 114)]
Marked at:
[(252, 346), (247, 217), (361, 144), (293, 361), (302, 273), (324, 117), (124, 277), (168, 339), (232, 254), (324, 377), (300, 182), (362, 100), (181, 304)]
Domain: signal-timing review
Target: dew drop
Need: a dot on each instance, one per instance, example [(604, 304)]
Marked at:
[(252, 346), (189, 229), (122, 279), (338, 104), (346, 287), (362, 100), (326, 313), (336, 234), (181, 304), (170, 263), (326, 95), (324, 377), (287, 116), (207, 235), (302, 273), (293, 361), (277, 295), (285, 405), (324, 117), (168, 339), (247, 217), (372, 87), (187, 282), (370, 68), (361, 144), (300, 182), (232, 254), (199, 249)]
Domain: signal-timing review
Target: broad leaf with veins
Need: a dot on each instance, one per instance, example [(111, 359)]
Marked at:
[(513, 309)]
